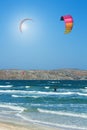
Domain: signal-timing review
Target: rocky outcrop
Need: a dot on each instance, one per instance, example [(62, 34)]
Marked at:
[(61, 74)]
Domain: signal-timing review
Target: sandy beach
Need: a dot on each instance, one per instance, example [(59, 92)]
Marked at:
[(14, 126)]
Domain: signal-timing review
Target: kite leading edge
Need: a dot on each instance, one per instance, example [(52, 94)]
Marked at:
[(20, 26)]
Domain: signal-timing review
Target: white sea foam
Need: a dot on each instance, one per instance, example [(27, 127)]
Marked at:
[(42, 93), (36, 92), (17, 91), (56, 93), (16, 96), (82, 94), (51, 124), (6, 86), (47, 87), (21, 96), (27, 86), (13, 107), (62, 113)]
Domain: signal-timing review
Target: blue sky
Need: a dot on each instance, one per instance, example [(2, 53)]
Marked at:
[(43, 45)]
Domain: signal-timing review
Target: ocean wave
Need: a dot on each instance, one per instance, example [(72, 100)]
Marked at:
[(13, 107), (62, 113), (82, 94), (16, 96), (51, 123), (55, 93), (6, 86), (27, 86), (47, 87), (17, 91), (40, 93), (36, 92), (21, 96)]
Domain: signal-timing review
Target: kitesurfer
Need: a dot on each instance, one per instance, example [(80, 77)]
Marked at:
[(55, 89)]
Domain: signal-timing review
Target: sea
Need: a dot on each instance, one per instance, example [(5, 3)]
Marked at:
[(55, 103)]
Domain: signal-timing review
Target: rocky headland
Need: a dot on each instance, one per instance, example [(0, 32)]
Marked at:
[(60, 74)]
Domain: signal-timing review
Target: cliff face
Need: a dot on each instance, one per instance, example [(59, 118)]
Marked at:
[(62, 74)]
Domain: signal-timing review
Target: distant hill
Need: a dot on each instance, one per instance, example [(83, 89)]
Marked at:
[(60, 74)]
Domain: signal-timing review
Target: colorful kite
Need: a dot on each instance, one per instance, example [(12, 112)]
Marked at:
[(68, 23), (21, 23)]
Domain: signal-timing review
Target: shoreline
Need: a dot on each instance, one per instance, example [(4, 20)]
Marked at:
[(8, 124), (12, 126)]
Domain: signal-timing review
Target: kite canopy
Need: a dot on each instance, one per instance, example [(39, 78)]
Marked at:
[(68, 23), (20, 27)]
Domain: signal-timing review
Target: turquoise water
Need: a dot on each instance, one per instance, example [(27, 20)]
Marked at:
[(37, 101)]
